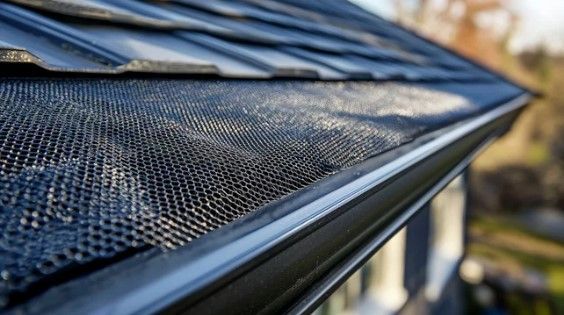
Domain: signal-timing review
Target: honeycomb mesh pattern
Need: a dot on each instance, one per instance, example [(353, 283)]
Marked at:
[(91, 169)]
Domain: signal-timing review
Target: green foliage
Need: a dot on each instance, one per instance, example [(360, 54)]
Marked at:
[(507, 257)]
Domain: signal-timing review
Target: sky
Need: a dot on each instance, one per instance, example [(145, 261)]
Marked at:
[(541, 22)]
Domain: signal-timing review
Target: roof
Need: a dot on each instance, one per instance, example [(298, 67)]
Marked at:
[(166, 151), (236, 39)]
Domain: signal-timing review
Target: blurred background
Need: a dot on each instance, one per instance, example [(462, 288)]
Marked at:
[(515, 259)]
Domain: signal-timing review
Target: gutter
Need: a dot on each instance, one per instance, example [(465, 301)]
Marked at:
[(291, 255)]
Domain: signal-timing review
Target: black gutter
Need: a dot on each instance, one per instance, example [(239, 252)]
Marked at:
[(266, 262), (375, 216), (323, 288)]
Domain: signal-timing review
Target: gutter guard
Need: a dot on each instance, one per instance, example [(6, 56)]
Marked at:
[(294, 255)]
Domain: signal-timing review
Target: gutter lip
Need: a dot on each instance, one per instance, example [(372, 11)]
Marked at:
[(185, 278)]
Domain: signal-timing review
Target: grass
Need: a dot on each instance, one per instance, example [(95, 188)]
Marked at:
[(510, 246)]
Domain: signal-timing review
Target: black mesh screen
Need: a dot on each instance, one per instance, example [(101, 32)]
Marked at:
[(94, 169)]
